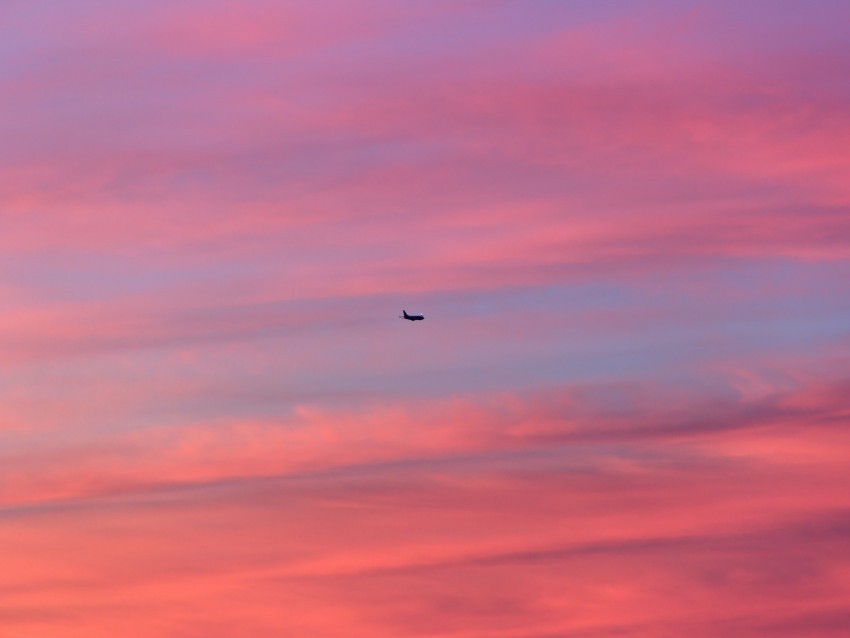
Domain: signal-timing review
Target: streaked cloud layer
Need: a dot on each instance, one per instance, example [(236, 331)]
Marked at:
[(628, 224)]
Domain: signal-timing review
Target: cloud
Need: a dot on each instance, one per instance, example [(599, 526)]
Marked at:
[(590, 160), (316, 439), (429, 548), (624, 416)]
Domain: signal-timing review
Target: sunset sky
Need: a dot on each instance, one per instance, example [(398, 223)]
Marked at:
[(627, 412)]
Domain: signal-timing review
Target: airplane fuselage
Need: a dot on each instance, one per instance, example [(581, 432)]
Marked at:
[(412, 317)]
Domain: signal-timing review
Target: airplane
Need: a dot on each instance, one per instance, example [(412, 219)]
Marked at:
[(411, 317)]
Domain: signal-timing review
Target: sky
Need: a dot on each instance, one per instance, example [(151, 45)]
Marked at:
[(627, 412)]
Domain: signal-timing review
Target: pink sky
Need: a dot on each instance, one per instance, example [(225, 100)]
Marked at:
[(626, 414)]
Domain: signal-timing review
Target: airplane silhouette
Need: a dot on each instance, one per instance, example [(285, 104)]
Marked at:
[(411, 317)]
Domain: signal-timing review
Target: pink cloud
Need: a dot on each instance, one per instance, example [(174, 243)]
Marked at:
[(315, 439), (629, 419), (712, 143), (669, 533)]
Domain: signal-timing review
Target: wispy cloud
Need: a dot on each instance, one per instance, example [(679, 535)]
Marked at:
[(627, 224), (717, 531)]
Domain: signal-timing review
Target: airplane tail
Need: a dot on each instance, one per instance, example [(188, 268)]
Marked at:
[(405, 314)]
